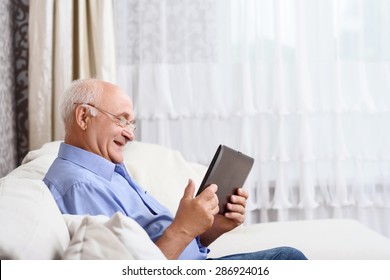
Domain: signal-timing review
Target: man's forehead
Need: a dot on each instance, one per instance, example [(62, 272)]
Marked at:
[(112, 92)]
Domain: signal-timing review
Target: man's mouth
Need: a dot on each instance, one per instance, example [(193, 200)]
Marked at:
[(120, 144)]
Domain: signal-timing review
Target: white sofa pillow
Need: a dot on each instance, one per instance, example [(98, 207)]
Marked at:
[(32, 226), (98, 237)]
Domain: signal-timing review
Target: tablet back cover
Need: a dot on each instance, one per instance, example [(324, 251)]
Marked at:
[(228, 169)]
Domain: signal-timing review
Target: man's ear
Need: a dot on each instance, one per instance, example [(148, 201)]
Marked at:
[(82, 116)]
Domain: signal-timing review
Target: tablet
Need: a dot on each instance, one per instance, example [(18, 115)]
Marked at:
[(228, 169)]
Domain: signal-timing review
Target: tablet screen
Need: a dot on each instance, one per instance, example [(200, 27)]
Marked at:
[(228, 169)]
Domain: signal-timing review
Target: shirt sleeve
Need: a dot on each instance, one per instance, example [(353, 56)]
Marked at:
[(84, 199)]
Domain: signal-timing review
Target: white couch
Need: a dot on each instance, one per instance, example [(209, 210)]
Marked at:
[(33, 228)]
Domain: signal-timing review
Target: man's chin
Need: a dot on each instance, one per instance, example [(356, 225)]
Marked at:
[(117, 157)]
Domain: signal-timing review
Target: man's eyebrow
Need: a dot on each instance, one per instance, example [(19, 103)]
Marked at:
[(124, 114), (127, 116)]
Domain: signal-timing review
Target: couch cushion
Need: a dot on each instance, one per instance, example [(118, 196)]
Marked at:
[(32, 226), (98, 237)]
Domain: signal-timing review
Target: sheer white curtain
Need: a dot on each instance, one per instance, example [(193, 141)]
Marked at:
[(302, 85)]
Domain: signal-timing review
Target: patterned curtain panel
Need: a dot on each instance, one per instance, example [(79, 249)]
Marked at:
[(13, 83), (20, 33)]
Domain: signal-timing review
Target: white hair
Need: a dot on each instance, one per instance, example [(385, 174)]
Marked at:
[(80, 91)]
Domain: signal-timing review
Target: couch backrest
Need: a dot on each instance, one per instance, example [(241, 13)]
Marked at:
[(162, 171)]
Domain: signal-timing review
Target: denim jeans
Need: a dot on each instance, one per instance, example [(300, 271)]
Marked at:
[(278, 253)]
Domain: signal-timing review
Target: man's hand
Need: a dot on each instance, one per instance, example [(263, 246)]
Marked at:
[(234, 217), (193, 217)]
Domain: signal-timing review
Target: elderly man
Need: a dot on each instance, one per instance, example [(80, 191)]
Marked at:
[(89, 177)]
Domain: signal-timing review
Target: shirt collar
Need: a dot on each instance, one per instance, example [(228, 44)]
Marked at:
[(93, 162)]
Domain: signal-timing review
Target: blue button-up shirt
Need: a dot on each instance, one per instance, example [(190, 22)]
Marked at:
[(84, 183)]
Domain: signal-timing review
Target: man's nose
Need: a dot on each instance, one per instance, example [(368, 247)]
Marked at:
[(127, 134)]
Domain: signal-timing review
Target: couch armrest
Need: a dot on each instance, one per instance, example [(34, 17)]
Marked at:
[(327, 239)]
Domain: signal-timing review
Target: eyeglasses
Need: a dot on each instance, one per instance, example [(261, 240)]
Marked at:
[(120, 120)]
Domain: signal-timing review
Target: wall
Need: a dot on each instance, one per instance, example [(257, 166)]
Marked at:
[(7, 86)]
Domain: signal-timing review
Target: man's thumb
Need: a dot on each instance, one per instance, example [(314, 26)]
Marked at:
[(190, 189)]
